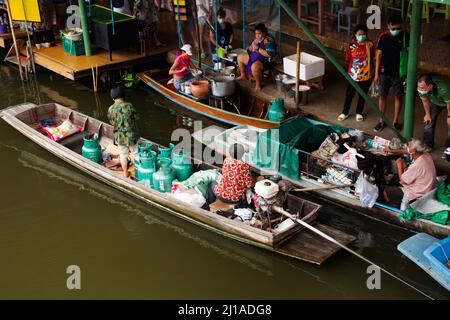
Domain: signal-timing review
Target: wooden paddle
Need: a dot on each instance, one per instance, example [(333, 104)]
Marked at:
[(281, 211), (327, 187)]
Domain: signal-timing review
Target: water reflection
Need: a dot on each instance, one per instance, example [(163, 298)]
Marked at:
[(130, 222)]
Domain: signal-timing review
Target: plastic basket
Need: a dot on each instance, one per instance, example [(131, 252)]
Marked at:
[(72, 47)]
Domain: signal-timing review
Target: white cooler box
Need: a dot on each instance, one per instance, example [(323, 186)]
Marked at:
[(310, 66)]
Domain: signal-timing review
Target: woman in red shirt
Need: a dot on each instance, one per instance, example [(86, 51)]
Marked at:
[(360, 53), (236, 176)]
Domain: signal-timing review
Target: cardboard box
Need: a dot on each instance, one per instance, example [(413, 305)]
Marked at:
[(310, 66)]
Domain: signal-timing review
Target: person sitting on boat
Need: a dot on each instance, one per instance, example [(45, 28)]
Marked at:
[(417, 180), (259, 57), (181, 66), (224, 34), (236, 176), (123, 117)]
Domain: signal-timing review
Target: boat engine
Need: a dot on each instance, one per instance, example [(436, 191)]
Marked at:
[(267, 195)]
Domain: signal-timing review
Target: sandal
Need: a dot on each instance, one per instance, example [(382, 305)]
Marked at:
[(342, 117), (359, 118)]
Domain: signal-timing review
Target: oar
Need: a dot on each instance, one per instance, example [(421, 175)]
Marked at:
[(281, 211), (327, 187)]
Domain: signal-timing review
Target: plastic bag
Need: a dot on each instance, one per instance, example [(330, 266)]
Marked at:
[(191, 196), (349, 159), (374, 90), (367, 192)]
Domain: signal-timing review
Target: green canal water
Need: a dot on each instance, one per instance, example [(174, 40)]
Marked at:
[(53, 216)]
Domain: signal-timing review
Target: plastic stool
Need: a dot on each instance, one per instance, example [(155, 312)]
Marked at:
[(425, 11), (442, 8), (336, 5), (348, 13)]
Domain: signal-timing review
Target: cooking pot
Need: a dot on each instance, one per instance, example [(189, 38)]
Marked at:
[(223, 86), (228, 71)]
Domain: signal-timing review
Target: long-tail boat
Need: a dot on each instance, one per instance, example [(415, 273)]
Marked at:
[(294, 241)]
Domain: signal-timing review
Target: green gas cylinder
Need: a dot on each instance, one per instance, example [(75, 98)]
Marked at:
[(181, 165), (91, 148), (142, 147), (165, 152), (146, 168), (162, 179), (277, 111)]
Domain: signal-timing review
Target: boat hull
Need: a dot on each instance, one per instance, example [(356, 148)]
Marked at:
[(205, 110), (213, 222)]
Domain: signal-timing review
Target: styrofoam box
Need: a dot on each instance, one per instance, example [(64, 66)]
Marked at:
[(310, 66)]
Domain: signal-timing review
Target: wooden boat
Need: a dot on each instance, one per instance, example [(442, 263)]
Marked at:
[(221, 142), (253, 111), (295, 241), (430, 254)]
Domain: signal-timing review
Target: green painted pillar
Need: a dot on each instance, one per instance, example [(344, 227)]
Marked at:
[(85, 27), (413, 60)]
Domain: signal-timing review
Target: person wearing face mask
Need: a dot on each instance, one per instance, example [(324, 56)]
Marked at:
[(359, 54), (259, 56), (435, 96), (224, 32), (416, 180), (181, 66), (387, 67)]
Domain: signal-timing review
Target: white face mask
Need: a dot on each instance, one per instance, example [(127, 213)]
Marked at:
[(422, 91), (220, 20)]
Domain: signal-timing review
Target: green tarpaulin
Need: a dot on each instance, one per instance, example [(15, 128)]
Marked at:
[(278, 149)]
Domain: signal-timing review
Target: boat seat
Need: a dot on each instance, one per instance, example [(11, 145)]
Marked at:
[(73, 141)]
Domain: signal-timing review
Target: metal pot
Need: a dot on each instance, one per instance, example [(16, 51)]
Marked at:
[(223, 86), (228, 71)]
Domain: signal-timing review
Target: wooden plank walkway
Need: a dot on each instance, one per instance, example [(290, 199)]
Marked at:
[(73, 67)]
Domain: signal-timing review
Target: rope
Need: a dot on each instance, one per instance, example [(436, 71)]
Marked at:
[(215, 25), (244, 42), (320, 233), (179, 24)]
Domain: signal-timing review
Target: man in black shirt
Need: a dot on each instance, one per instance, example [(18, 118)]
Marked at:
[(387, 68)]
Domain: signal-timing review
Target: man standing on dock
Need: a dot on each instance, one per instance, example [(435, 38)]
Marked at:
[(123, 117)]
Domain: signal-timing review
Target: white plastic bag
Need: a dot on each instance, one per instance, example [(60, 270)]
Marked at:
[(367, 192), (374, 90), (191, 196)]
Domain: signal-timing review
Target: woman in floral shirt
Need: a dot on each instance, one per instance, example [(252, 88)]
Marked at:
[(236, 176), (123, 117)]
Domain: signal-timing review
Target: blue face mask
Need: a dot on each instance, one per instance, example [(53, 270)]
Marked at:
[(361, 38), (394, 32)]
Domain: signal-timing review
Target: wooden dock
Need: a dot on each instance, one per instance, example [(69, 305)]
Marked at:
[(73, 67)]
